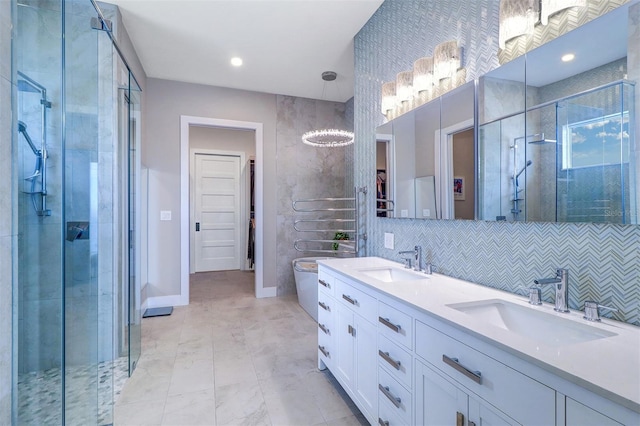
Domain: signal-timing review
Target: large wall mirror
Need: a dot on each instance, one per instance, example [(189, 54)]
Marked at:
[(556, 139), (429, 153)]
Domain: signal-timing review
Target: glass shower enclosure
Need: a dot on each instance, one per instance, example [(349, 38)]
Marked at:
[(76, 292)]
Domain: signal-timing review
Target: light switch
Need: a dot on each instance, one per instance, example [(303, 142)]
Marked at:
[(388, 240), (165, 214)]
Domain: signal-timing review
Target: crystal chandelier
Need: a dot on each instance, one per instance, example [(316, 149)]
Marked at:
[(328, 137)]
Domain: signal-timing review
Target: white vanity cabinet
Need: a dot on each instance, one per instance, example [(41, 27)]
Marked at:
[(441, 401), (352, 344), (406, 364)]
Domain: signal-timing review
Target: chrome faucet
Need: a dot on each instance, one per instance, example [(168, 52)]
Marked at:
[(417, 257), (561, 281)]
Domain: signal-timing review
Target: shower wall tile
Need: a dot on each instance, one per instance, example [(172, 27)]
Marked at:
[(304, 172), (40, 329), (6, 326), (6, 163), (5, 40), (603, 259)]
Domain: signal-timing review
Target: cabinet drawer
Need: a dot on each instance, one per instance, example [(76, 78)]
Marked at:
[(364, 305), (387, 415), (394, 395), (395, 325), (326, 281), (326, 306), (395, 360), (326, 348), (496, 383)]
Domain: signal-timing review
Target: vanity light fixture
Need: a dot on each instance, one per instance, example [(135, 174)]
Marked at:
[(568, 57), (423, 78), (328, 138), (446, 60), (517, 17), (549, 7), (404, 87), (236, 61), (388, 99)]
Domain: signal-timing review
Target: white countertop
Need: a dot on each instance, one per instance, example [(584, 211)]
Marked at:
[(609, 366)]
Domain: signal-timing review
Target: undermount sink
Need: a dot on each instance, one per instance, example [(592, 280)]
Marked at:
[(544, 327), (391, 274)]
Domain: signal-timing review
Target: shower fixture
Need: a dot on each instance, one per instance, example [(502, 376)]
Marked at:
[(539, 139), (26, 84)]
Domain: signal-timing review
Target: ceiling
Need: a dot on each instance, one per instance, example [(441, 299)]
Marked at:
[(285, 44)]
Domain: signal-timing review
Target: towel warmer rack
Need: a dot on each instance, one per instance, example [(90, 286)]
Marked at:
[(334, 206)]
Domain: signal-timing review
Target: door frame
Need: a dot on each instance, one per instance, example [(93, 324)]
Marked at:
[(242, 228), (185, 122), (443, 153)]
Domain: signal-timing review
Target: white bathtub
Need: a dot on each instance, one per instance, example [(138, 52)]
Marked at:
[(305, 272)]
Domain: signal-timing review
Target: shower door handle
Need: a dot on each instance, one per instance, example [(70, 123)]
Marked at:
[(197, 226)]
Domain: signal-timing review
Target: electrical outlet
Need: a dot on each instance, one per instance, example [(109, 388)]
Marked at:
[(388, 240), (426, 212), (165, 215), (404, 213)]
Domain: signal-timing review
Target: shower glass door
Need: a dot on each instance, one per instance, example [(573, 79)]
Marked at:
[(88, 218)]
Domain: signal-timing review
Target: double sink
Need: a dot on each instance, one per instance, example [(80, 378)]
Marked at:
[(531, 322)]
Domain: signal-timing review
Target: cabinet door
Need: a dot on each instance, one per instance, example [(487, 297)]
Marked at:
[(438, 401), (366, 364), (483, 414), (345, 347), (581, 415)]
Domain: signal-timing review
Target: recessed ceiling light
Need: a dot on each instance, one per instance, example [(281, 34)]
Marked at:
[(236, 62), (568, 57)]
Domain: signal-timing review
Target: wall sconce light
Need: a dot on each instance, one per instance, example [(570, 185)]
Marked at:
[(517, 17), (423, 75), (549, 7), (388, 99), (404, 87), (431, 77), (446, 59)]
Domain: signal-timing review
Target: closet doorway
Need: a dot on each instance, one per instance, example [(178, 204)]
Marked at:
[(251, 147)]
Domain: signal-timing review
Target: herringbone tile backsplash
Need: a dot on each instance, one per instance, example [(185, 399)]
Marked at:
[(603, 260)]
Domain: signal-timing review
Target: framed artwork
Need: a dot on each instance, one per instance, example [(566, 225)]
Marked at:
[(458, 188)]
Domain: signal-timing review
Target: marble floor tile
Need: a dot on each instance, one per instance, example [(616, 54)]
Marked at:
[(139, 413), (194, 408), (241, 403), (233, 367), (231, 359)]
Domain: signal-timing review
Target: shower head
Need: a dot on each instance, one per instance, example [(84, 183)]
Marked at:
[(22, 128), (542, 141), (25, 86), (515, 179)]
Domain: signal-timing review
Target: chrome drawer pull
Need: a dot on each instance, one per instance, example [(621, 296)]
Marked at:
[(459, 419), (389, 324), (325, 329), (324, 351), (385, 355), (351, 331), (394, 399), (324, 283), (383, 422), (476, 376), (325, 307), (349, 299)]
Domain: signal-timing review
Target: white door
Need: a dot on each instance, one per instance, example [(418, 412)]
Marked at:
[(217, 212)]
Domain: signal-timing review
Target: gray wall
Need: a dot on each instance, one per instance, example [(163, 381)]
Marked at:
[(166, 101), (603, 259), (7, 201), (305, 172)]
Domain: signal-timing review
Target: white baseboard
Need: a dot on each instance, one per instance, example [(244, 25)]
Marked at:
[(161, 301), (266, 292)]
